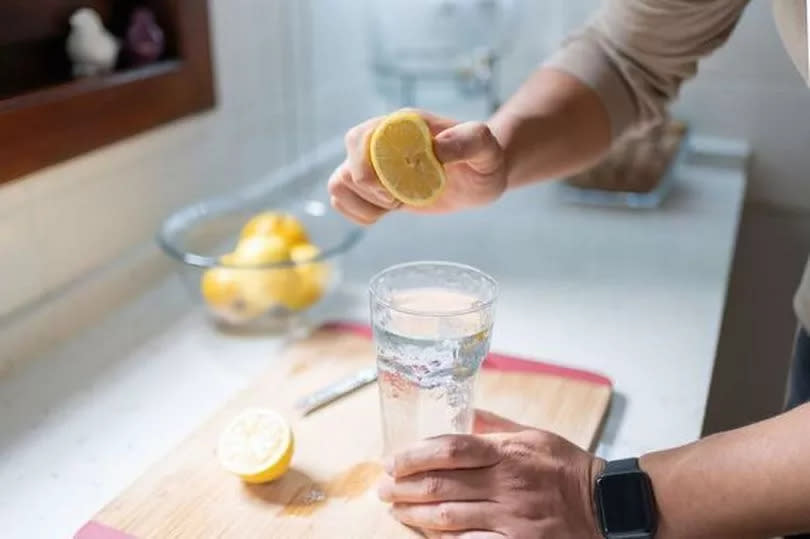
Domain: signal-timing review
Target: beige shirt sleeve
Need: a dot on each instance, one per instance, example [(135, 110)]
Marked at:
[(636, 53)]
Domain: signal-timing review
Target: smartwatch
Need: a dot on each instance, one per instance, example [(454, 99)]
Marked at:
[(625, 505)]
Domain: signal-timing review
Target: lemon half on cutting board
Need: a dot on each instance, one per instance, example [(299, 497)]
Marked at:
[(257, 445), (401, 152)]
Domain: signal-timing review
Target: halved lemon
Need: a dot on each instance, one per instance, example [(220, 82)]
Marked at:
[(401, 152), (257, 445)]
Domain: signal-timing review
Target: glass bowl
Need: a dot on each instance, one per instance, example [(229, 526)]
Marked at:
[(263, 296)]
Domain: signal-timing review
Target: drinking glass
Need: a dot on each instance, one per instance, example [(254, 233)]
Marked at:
[(432, 323)]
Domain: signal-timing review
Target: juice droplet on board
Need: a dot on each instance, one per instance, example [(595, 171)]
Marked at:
[(347, 485)]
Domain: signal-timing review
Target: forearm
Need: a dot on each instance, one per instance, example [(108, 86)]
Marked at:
[(554, 125), (750, 482)]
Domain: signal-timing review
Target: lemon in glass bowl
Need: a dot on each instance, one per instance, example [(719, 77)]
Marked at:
[(265, 261)]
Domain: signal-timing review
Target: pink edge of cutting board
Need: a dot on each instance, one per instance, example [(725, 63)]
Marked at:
[(95, 530)]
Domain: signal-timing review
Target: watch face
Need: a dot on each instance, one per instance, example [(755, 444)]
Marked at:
[(624, 503)]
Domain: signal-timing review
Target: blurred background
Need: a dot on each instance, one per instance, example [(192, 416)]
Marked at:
[(290, 77)]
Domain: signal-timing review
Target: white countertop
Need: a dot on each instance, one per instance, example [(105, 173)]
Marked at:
[(636, 295)]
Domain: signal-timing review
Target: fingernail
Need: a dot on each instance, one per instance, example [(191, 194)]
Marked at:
[(385, 197), (388, 465), (447, 146), (383, 491)]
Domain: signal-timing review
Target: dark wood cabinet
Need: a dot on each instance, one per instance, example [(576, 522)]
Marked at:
[(46, 116)]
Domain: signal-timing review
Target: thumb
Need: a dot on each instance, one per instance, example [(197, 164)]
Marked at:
[(487, 422), (472, 142)]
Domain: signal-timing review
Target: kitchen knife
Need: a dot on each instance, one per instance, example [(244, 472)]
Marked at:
[(309, 403)]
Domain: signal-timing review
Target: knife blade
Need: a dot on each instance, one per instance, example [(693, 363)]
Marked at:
[(330, 393)]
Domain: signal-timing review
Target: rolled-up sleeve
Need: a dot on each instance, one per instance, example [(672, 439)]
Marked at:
[(636, 53)]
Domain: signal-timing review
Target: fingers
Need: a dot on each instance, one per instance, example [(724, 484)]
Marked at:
[(435, 123), (363, 179), (346, 199), (487, 422), (466, 534), (449, 452), (472, 142), (436, 486), (448, 516), (356, 175)]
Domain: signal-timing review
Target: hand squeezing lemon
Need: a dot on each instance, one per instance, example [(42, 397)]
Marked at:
[(420, 160)]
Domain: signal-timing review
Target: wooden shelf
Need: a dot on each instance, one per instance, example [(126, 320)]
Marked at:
[(53, 122), (70, 89)]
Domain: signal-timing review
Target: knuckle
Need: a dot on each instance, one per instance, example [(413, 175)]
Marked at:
[(454, 447), (445, 515), (537, 437), (433, 486), (351, 137), (518, 482), (361, 179), (335, 183), (481, 132), (515, 448)]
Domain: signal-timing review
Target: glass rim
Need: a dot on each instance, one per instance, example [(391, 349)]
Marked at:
[(479, 306)]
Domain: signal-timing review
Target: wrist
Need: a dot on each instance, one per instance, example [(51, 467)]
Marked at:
[(655, 466), (597, 466)]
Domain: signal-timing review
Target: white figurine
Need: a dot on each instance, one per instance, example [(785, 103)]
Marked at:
[(92, 49)]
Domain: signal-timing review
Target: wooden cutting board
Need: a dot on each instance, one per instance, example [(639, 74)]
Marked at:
[(330, 489)]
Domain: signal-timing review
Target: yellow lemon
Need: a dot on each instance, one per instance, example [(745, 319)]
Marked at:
[(312, 277), (257, 445), (258, 251), (306, 293), (268, 286), (401, 152), (261, 224), (292, 230), (280, 285), (250, 291), (303, 256), (228, 293), (283, 225), (304, 253)]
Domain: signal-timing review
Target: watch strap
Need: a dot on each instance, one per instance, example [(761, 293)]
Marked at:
[(621, 466)]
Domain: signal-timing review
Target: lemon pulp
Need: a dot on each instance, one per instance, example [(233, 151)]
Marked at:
[(257, 445), (401, 152)]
